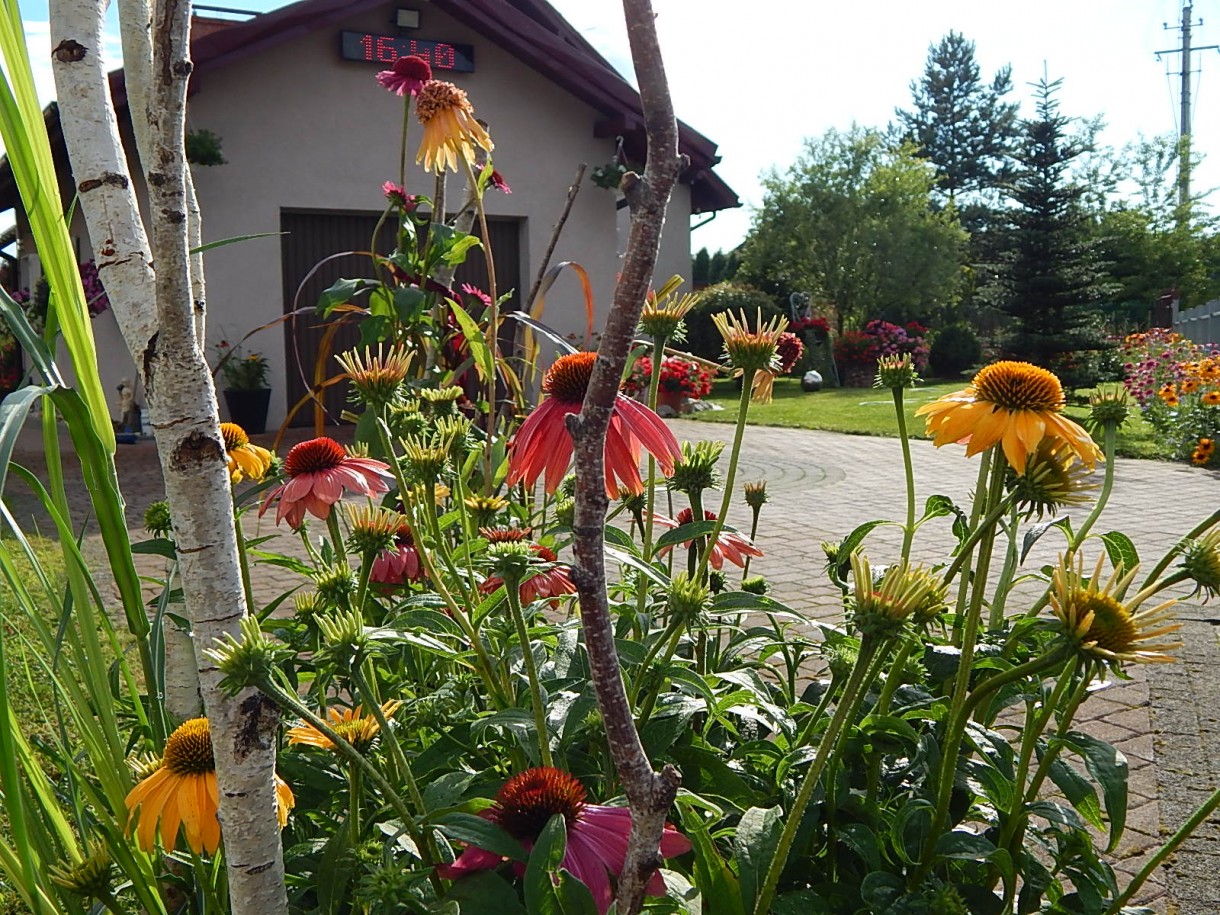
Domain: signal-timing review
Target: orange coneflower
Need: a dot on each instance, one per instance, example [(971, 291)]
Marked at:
[(450, 129), (182, 793), (543, 448), (1013, 404), (352, 725), (246, 459)]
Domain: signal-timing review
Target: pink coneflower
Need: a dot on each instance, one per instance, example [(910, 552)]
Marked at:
[(399, 564), (729, 545), (398, 196), (476, 292), (551, 578), (597, 835), (543, 448), (497, 181), (319, 471), (407, 76)]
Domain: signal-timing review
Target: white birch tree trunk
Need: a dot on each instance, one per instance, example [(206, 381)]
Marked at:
[(155, 311)]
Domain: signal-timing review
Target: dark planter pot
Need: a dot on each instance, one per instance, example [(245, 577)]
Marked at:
[(249, 409)]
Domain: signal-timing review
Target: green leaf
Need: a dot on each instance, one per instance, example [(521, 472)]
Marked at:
[(939, 506), (1077, 789), (1109, 768), (1121, 550), (450, 245), (853, 540), (475, 830), (1034, 534), (410, 303), (12, 417), (880, 890), (483, 358), (548, 890), (478, 894), (716, 881), (233, 240), (754, 847), (343, 291), (964, 846), (686, 532)]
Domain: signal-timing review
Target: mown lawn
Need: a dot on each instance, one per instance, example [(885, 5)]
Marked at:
[(868, 411)]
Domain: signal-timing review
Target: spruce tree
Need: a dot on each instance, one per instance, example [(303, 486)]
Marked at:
[(960, 124), (1051, 279)]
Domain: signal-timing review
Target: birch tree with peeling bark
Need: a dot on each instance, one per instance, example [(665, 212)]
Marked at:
[(649, 793), (154, 289)]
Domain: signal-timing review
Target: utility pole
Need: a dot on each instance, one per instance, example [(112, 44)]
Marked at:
[(1184, 116)]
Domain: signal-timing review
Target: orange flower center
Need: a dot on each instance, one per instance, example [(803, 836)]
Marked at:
[(527, 801), (568, 379), (1112, 627), (1019, 386), (313, 456), (686, 516), (235, 437), (543, 553), (437, 96), (189, 749), (505, 534)]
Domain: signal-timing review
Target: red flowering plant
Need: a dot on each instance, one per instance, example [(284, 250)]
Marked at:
[(678, 376), (814, 326)]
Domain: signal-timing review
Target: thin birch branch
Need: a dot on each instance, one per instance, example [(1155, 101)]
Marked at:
[(649, 793)]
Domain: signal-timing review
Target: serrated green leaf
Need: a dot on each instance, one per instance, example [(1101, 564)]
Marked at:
[(1121, 550)]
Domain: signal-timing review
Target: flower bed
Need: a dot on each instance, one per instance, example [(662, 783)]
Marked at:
[(1177, 385)]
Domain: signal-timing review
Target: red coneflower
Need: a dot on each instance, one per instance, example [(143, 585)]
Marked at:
[(407, 76), (543, 448), (319, 471), (400, 563), (597, 834), (551, 578), (729, 545)]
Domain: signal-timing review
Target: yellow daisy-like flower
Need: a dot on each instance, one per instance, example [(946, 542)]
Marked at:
[(377, 376), (880, 607), (246, 459), (1211, 398), (450, 129), (182, 794), (1053, 479), (1013, 404), (1102, 622), (356, 728), (662, 317)]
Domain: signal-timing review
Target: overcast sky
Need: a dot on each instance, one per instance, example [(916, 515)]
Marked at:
[(760, 77)]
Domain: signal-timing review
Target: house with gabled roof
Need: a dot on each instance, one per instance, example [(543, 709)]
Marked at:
[(308, 138)]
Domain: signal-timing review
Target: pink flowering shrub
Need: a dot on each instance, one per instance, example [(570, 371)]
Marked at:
[(860, 349)]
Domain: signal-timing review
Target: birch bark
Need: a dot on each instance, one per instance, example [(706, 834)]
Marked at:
[(155, 311)]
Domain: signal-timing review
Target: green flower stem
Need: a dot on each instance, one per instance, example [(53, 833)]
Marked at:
[(1065, 722), (493, 326), (336, 535), (1192, 823), (743, 408), (1198, 531), (961, 686), (852, 694), (362, 581), (106, 898), (355, 789), (486, 671), (468, 527), (1176, 578), (390, 739), (312, 553), (965, 551), (243, 561), (512, 592), (895, 676), (755, 511), (1110, 436), (289, 700), (908, 530), (1030, 668), (654, 386), (402, 145), (995, 618), (670, 639), (700, 548)]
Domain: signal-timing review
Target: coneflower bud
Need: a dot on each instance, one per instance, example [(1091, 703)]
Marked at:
[(695, 471), (437, 402), (157, 520), (335, 584), (688, 599), (896, 372), (756, 494)]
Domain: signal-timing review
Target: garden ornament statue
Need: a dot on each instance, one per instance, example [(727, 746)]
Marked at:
[(129, 410), (811, 381)]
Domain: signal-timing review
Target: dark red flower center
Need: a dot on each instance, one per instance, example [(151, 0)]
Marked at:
[(413, 67), (505, 534), (313, 456), (527, 801), (568, 379), (686, 516)]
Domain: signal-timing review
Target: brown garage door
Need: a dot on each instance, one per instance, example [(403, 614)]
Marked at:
[(311, 237)]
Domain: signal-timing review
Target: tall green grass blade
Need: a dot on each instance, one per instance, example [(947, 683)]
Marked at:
[(29, 153)]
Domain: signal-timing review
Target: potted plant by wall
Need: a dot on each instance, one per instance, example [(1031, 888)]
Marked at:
[(681, 382), (247, 394)]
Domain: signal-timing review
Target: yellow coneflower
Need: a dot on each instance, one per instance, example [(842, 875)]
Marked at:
[(1054, 478), (450, 129), (1102, 623), (246, 459), (377, 376), (484, 509), (358, 729), (182, 793), (880, 607), (1211, 399), (1013, 404), (372, 529), (661, 318)]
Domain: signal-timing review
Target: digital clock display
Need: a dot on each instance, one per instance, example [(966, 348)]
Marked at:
[(385, 49)]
